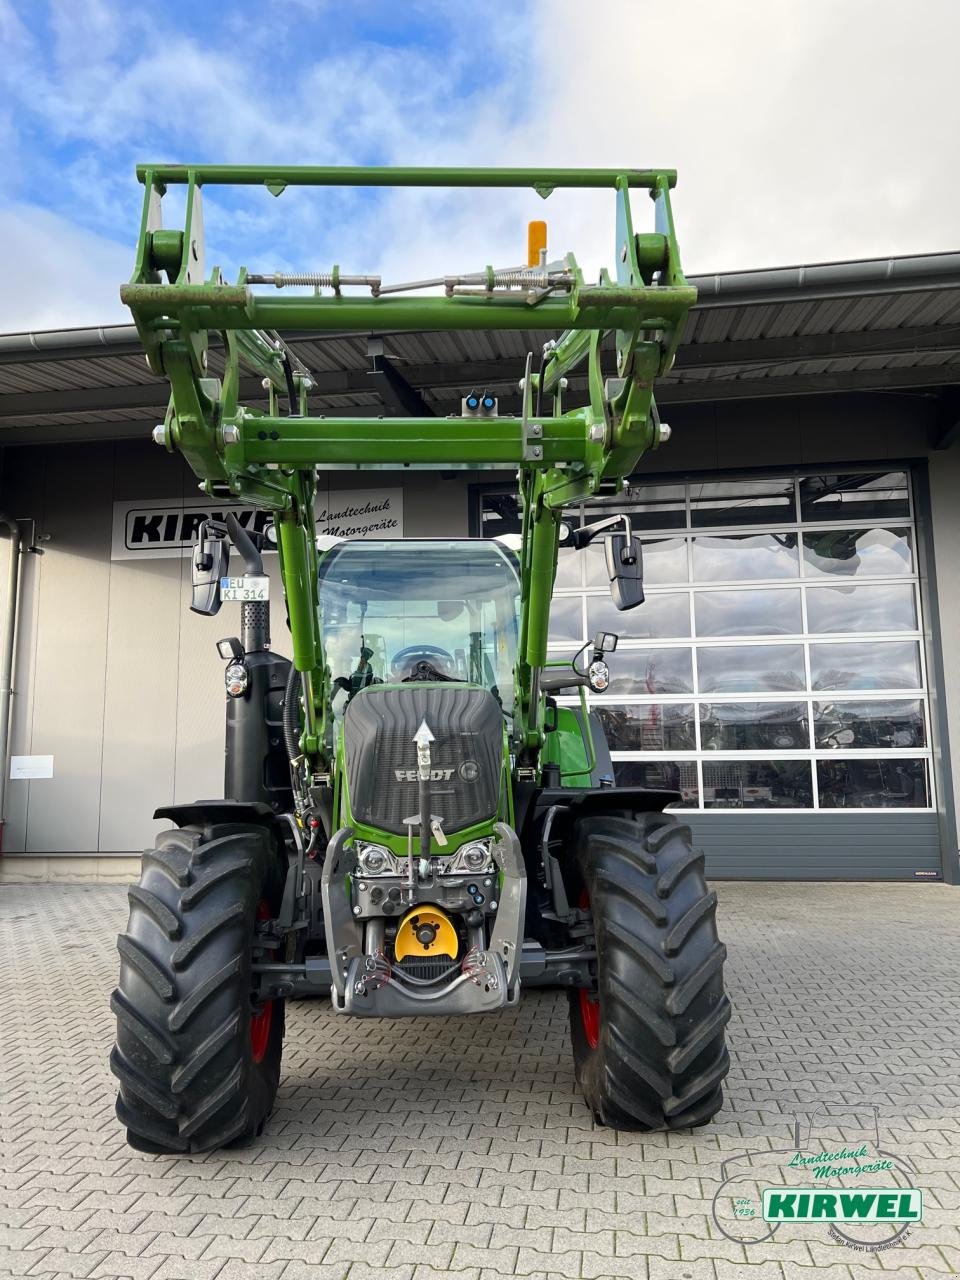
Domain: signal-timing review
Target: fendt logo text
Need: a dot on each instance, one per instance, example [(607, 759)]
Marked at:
[(867, 1204), (412, 775)]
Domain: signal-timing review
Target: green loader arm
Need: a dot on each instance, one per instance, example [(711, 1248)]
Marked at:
[(270, 459)]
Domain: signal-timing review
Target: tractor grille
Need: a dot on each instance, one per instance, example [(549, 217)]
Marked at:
[(381, 756), (426, 968)]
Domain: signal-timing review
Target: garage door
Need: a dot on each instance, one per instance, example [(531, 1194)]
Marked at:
[(775, 674)]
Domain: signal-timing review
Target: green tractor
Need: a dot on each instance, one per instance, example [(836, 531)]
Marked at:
[(420, 818)]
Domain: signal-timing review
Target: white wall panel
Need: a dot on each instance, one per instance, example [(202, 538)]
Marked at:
[(139, 740), (26, 479), (63, 813), (200, 697)]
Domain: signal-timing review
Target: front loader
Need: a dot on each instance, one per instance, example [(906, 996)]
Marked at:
[(419, 816)]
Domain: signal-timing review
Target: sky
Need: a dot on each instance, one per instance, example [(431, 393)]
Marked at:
[(803, 131)]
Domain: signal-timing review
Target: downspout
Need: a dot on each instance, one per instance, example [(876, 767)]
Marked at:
[(6, 659)]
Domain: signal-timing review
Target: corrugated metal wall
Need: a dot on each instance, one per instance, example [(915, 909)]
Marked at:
[(820, 846)]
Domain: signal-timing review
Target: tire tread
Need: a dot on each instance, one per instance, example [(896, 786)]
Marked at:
[(661, 1059), (153, 974), (158, 911), (153, 1040), (183, 1058), (188, 948)]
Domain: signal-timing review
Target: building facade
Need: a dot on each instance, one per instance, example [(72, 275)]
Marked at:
[(791, 672)]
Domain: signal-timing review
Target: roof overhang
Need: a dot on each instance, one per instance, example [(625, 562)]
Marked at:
[(879, 325)]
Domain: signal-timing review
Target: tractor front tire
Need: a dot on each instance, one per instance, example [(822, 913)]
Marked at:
[(648, 1039), (198, 1063)]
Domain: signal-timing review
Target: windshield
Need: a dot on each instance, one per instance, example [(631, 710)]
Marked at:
[(430, 609)]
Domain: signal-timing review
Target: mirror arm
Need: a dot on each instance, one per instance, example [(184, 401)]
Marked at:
[(553, 682), (580, 538), (245, 544)]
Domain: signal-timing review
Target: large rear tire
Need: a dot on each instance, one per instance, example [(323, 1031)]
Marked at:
[(198, 1063), (648, 1038)]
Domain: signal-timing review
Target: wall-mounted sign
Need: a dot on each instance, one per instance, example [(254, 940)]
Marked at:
[(31, 766), (361, 513), (168, 526)]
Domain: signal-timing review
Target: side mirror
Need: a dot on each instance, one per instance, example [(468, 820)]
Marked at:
[(625, 570), (211, 559)]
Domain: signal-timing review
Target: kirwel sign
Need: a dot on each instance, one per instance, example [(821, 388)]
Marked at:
[(144, 529)]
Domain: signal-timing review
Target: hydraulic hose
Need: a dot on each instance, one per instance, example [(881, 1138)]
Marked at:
[(291, 714)]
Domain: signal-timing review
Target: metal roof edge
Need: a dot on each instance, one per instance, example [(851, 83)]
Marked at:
[(44, 342), (829, 280), (855, 278)]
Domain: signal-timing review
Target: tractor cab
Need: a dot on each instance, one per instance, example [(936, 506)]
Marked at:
[(407, 611)]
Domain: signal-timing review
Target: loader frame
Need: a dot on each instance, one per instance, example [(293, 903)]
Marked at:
[(270, 459)]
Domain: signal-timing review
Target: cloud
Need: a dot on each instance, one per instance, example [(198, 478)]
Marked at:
[(98, 91), (803, 130), (58, 276)]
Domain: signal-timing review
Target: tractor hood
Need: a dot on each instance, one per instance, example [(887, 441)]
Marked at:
[(466, 754)]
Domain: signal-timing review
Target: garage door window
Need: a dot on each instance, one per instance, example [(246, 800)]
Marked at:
[(777, 662)]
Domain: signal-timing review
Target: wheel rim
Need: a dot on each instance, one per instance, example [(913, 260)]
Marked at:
[(589, 1000), (590, 1017), (261, 1020)]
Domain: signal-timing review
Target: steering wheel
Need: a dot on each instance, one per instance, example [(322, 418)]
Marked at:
[(409, 657)]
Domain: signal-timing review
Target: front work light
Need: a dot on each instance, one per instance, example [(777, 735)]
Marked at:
[(479, 405)]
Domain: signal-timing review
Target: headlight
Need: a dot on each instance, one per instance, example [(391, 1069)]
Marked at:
[(236, 678), (375, 860), (474, 858), (598, 674)]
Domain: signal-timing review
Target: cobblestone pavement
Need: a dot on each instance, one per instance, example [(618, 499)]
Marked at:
[(413, 1150)]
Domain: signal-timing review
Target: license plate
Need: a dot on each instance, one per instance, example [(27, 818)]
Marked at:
[(245, 590)]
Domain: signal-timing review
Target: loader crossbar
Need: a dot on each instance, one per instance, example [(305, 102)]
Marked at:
[(277, 177)]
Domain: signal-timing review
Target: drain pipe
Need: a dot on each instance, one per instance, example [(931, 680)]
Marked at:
[(6, 659)]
